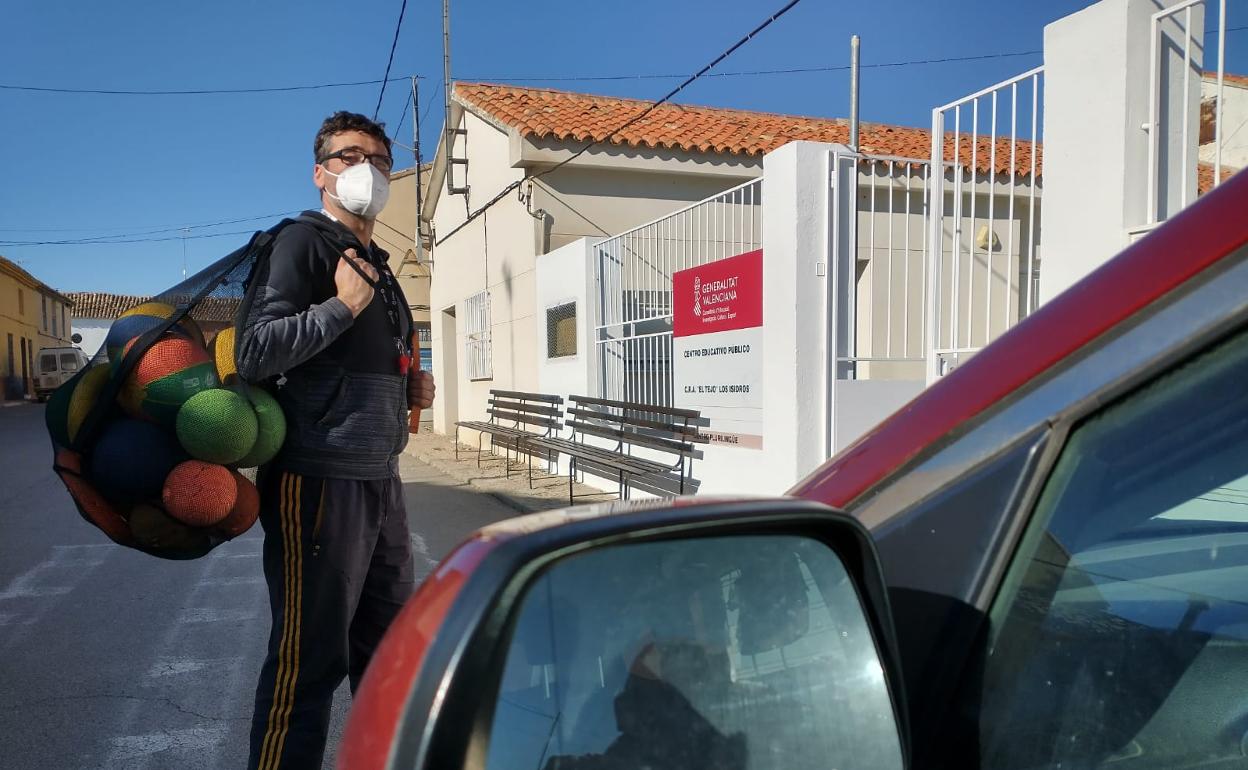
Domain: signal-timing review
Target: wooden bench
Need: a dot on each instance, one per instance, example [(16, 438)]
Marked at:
[(659, 429), (515, 416)]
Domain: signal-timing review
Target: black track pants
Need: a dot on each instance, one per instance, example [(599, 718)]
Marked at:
[(338, 561)]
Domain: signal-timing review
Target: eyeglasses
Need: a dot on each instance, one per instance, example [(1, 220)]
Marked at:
[(353, 156)]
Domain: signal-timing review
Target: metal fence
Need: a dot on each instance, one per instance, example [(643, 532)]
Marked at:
[(983, 219), (633, 272), (1180, 162)]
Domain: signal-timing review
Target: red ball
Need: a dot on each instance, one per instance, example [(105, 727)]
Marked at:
[(200, 494), (91, 503), (246, 509)]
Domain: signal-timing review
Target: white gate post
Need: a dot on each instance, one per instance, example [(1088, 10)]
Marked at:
[(935, 244)]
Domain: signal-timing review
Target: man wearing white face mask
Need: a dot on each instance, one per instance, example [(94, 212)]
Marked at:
[(328, 327)]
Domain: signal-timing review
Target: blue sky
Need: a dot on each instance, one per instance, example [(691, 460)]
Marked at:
[(81, 166)]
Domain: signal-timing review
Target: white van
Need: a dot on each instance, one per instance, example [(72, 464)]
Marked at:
[(55, 366)]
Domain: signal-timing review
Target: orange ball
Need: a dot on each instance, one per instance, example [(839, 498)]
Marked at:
[(94, 507), (246, 509), (200, 494)]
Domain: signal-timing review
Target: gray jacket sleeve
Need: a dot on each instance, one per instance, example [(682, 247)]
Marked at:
[(285, 325)]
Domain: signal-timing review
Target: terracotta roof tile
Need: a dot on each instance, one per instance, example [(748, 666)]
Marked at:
[(1227, 78), (540, 113), (110, 306)]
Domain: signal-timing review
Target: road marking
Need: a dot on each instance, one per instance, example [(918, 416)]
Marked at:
[(127, 748), (211, 615), (173, 666), (421, 549), (233, 581)]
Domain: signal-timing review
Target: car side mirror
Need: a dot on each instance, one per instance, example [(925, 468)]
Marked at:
[(76, 338), (710, 635)]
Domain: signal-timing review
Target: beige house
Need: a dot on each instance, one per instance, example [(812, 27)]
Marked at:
[(516, 178), (395, 232), (33, 316)]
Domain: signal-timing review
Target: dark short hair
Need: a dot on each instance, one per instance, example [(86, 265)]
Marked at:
[(347, 121)]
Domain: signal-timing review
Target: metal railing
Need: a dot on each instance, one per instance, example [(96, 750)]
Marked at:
[(975, 294), (633, 281), (1184, 21)]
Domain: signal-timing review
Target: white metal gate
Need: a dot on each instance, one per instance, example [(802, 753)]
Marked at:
[(633, 281), (983, 219)]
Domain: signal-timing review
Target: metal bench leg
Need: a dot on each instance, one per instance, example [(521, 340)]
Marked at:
[(571, 474), (480, 441), (456, 443)]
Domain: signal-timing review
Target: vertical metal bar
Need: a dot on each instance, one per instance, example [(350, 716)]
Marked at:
[(935, 239), (1031, 209), (1217, 107), (1010, 269), (955, 283), (1187, 92), (873, 261), (992, 198), (970, 267), (905, 273), (888, 290), (1153, 123)]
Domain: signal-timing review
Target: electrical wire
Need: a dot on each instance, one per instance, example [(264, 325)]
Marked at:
[(393, 45), (111, 238), (190, 92), (128, 240), (650, 108)]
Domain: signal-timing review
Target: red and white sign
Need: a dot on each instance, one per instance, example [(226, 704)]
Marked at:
[(719, 296), (717, 347)]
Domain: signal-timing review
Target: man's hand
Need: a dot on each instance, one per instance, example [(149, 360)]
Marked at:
[(353, 290), (420, 389)]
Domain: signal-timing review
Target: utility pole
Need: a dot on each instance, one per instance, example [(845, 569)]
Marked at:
[(854, 51), (419, 243)]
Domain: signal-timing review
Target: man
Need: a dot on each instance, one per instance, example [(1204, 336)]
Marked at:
[(328, 318)]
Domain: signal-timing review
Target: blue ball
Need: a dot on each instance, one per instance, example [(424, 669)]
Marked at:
[(131, 459)]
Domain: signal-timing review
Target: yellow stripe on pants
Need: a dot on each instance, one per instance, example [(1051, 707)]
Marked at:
[(298, 624), (268, 756)]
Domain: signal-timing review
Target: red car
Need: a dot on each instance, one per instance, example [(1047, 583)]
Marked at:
[(1040, 562)]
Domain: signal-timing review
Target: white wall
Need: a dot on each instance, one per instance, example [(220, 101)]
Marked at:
[(1096, 97), (93, 331), (1234, 118), (495, 252), (566, 275)]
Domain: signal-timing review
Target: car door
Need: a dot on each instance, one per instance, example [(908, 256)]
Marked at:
[(1119, 636)]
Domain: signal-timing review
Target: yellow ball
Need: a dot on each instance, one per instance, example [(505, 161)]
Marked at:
[(86, 394), (223, 353)]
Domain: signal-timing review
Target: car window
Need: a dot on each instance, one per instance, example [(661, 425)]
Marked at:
[(1120, 637), (747, 653), (47, 364), (69, 362)]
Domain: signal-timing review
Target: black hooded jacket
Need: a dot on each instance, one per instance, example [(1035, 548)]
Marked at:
[(338, 379)]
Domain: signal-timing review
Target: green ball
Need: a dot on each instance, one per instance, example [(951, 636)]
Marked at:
[(217, 426), (272, 429)]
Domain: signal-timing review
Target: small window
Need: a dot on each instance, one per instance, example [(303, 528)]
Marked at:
[(561, 331), (1120, 635), (478, 346), (44, 302), (69, 362), (47, 364), (56, 328)]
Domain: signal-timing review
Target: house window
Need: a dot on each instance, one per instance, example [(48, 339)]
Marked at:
[(44, 301), (478, 348), (561, 330), (56, 327), (64, 323)]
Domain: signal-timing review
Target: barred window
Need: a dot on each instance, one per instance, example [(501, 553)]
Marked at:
[(561, 330), (478, 347)]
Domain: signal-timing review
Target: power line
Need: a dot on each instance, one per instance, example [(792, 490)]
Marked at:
[(127, 240), (748, 73), (111, 238), (650, 108), (393, 45), (429, 104), (190, 92)]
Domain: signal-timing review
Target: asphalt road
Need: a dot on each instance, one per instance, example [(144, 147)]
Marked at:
[(110, 658)]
